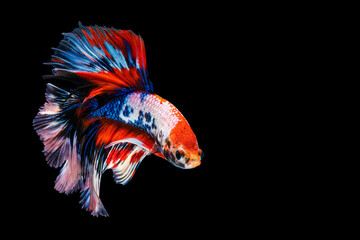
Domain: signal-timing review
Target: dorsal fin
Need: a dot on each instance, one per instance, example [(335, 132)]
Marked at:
[(110, 59)]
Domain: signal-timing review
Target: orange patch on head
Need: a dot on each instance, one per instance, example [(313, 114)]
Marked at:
[(182, 134)]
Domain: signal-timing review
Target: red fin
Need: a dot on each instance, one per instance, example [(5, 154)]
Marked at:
[(109, 59)]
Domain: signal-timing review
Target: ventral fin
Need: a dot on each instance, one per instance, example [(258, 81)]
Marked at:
[(125, 167), (118, 153)]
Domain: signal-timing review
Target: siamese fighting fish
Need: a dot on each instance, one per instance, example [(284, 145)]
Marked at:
[(101, 113)]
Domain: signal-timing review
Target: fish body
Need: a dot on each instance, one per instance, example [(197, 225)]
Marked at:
[(156, 117), (107, 115)]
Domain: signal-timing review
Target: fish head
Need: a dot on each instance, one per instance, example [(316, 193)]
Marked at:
[(182, 149)]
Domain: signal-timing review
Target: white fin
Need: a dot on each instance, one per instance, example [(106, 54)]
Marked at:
[(125, 170)]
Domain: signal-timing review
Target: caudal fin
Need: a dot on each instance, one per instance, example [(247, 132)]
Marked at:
[(100, 64), (55, 126)]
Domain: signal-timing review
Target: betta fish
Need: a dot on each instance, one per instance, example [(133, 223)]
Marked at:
[(101, 113)]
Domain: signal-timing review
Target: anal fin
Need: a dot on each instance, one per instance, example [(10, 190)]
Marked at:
[(123, 159)]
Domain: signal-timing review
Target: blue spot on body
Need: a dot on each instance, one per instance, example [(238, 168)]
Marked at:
[(142, 97), (127, 111), (153, 126), (148, 117), (139, 121)]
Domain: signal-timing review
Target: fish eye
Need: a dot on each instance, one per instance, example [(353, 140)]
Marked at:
[(179, 154)]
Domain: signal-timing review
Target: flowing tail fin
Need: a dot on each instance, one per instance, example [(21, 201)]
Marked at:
[(56, 130), (100, 64)]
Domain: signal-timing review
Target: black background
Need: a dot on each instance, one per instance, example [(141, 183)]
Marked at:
[(188, 61), (206, 60)]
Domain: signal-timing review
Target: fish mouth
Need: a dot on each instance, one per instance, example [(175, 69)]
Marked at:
[(193, 163)]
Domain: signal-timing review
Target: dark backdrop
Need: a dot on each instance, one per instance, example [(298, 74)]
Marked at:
[(185, 61), (214, 64)]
